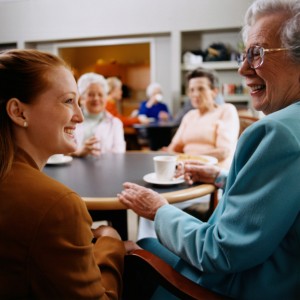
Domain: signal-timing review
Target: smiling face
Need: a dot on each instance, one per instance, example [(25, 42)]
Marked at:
[(201, 94), (52, 117), (94, 99), (275, 84)]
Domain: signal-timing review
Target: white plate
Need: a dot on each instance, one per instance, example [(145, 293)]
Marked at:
[(151, 178), (204, 159), (65, 160)]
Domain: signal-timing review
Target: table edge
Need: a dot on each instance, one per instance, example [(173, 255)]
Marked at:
[(112, 203)]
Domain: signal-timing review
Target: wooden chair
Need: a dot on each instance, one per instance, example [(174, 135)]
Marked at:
[(155, 271), (246, 121)]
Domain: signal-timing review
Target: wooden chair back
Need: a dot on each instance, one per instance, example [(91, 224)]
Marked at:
[(154, 270), (246, 121)]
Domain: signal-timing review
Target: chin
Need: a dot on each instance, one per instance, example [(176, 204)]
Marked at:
[(70, 148)]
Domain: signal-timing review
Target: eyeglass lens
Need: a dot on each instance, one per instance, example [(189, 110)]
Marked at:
[(254, 57)]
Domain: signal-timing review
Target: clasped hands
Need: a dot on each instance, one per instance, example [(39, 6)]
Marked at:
[(91, 146)]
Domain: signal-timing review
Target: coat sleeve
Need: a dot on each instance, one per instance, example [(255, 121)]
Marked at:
[(66, 264), (256, 213)]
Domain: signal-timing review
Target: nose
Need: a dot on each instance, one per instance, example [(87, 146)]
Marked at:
[(245, 68), (78, 115)]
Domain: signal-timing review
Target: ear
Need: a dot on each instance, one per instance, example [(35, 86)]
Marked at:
[(15, 109)]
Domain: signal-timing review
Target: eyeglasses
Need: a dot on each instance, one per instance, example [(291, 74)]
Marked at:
[(255, 56)]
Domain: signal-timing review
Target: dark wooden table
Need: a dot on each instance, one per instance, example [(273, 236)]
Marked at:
[(99, 180), (157, 134)]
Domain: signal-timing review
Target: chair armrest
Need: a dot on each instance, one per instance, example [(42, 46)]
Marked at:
[(169, 278)]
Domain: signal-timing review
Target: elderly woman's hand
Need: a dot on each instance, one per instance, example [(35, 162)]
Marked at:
[(145, 202), (194, 171), (91, 146)]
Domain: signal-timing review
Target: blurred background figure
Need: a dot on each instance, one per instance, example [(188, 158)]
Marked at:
[(209, 128), (187, 106), (115, 94), (100, 131), (153, 107)]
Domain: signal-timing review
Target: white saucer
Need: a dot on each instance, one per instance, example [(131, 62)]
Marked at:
[(65, 160), (151, 178)]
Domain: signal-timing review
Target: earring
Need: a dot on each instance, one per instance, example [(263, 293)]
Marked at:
[(25, 124)]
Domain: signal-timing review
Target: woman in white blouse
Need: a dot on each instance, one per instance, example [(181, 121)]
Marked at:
[(100, 132)]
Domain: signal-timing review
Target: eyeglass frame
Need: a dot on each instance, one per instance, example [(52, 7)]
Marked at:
[(262, 52)]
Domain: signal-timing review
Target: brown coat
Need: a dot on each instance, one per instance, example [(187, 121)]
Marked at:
[(45, 241)]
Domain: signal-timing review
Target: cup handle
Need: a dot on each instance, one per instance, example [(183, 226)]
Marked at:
[(179, 166)]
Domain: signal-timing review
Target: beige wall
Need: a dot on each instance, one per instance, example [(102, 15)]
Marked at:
[(42, 23), (52, 20)]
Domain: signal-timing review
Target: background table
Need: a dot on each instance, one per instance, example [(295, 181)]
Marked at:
[(99, 180), (157, 134)]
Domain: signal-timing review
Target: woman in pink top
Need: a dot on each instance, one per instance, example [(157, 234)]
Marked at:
[(209, 129)]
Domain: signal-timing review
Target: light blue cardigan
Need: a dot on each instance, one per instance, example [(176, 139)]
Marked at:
[(250, 247)]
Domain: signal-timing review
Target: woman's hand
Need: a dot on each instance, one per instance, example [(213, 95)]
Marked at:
[(145, 202), (194, 171), (91, 146)]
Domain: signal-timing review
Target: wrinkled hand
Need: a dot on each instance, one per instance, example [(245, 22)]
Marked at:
[(91, 146), (145, 202), (104, 230), (194, 171)]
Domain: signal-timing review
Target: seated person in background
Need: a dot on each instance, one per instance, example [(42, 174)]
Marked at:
[(46, 249), (209, 129), (249, 248), (153, 107), (187, 106), (114, 95), (100, 132)]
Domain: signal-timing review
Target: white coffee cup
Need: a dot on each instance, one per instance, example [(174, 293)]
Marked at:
[(165, 167)]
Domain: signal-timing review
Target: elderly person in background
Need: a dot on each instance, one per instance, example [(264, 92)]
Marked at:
[(209, 129), (46, 249), (114, 95), (100, 132), (249, 248), (188, 105), (153, 107)]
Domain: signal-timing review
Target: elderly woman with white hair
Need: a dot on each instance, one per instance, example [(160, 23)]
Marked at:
[(153, 107), (249, 247), (100, 132)]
